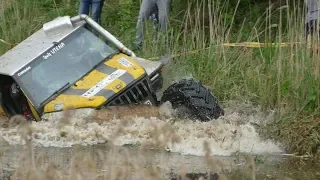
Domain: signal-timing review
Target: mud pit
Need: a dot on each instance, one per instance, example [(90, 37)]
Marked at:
[(137, 145)]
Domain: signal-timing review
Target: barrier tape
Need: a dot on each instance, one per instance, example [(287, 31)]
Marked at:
[(243, 44), (257, 44)]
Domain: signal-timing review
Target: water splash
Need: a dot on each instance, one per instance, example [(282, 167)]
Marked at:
[(229, 134)]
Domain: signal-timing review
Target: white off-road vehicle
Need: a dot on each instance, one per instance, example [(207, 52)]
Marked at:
[(74, 62)]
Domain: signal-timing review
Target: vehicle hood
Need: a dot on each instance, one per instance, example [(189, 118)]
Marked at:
[(101, 84), (150, 66)]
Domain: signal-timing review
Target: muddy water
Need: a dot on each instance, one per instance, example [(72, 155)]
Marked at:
[(230, 134), (136, 164), (155, 145)]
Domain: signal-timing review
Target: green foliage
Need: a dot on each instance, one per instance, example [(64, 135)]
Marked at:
[(120, 16), (299, 134), (23, 17)]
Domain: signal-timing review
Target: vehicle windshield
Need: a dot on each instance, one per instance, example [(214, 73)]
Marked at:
[(63, 64)]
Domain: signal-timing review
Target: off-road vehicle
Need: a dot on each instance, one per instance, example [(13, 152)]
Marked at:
[(74, 62)]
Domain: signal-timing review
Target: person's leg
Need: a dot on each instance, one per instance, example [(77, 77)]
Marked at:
[(145, 10), (307, 34), (155, 15), (155, 19), (96, 10), (312, 29), (164, 10), (317, 30), (312, 34), (84, 7)]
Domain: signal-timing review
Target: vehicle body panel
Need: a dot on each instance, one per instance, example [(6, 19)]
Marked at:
[(30, 48), (2, 113), (150, 66), (96, 88), (108, 83), (34, 111)]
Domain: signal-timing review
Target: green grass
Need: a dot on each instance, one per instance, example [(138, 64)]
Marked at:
[(299, 133), (21, 18), (285, 79)]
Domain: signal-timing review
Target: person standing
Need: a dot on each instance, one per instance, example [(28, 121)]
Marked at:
[(160, 8), (96, 8), (312, 15)]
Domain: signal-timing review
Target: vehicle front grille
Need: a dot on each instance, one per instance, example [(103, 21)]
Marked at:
[(135, 94)]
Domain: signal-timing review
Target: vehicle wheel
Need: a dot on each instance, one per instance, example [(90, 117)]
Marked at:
[(195, 97)]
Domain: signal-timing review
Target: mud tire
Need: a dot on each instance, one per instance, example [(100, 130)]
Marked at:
[(198, 99)]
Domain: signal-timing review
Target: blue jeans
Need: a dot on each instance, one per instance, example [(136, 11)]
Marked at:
[(96, 8)]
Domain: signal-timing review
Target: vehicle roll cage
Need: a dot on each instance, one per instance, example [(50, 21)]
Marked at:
[(64, 23)]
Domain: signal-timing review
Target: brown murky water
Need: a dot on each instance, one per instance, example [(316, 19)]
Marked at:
[(147, 148), (133, 163)]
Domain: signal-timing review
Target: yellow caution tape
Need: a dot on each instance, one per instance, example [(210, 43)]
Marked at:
[(257, 44), (243, 44)]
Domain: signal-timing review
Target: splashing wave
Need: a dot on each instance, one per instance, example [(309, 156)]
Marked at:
[(226, 135)]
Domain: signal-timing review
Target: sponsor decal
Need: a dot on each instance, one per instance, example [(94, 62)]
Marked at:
[(24, 71), (125, 62), (58, 107), (103, 83), (54, 50)]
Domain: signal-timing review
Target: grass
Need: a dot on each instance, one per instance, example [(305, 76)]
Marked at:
[(21, 18), (283, 79)]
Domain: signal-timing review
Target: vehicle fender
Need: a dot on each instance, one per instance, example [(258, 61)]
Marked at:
[(33, 110), (2, 113)]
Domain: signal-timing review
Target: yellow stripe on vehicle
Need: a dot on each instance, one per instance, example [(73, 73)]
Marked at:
[(34, 112), (2, 113), (90, 80), (95, 77), (134, 69), (64, 102)]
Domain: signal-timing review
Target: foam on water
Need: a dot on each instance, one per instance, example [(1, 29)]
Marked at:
[(229, 134)]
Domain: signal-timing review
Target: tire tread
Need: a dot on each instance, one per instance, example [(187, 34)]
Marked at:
[(195, 97)]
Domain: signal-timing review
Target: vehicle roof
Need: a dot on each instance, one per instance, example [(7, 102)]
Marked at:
[(26, 51)]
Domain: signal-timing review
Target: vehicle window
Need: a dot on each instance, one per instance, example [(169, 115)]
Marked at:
[(66, 62)]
